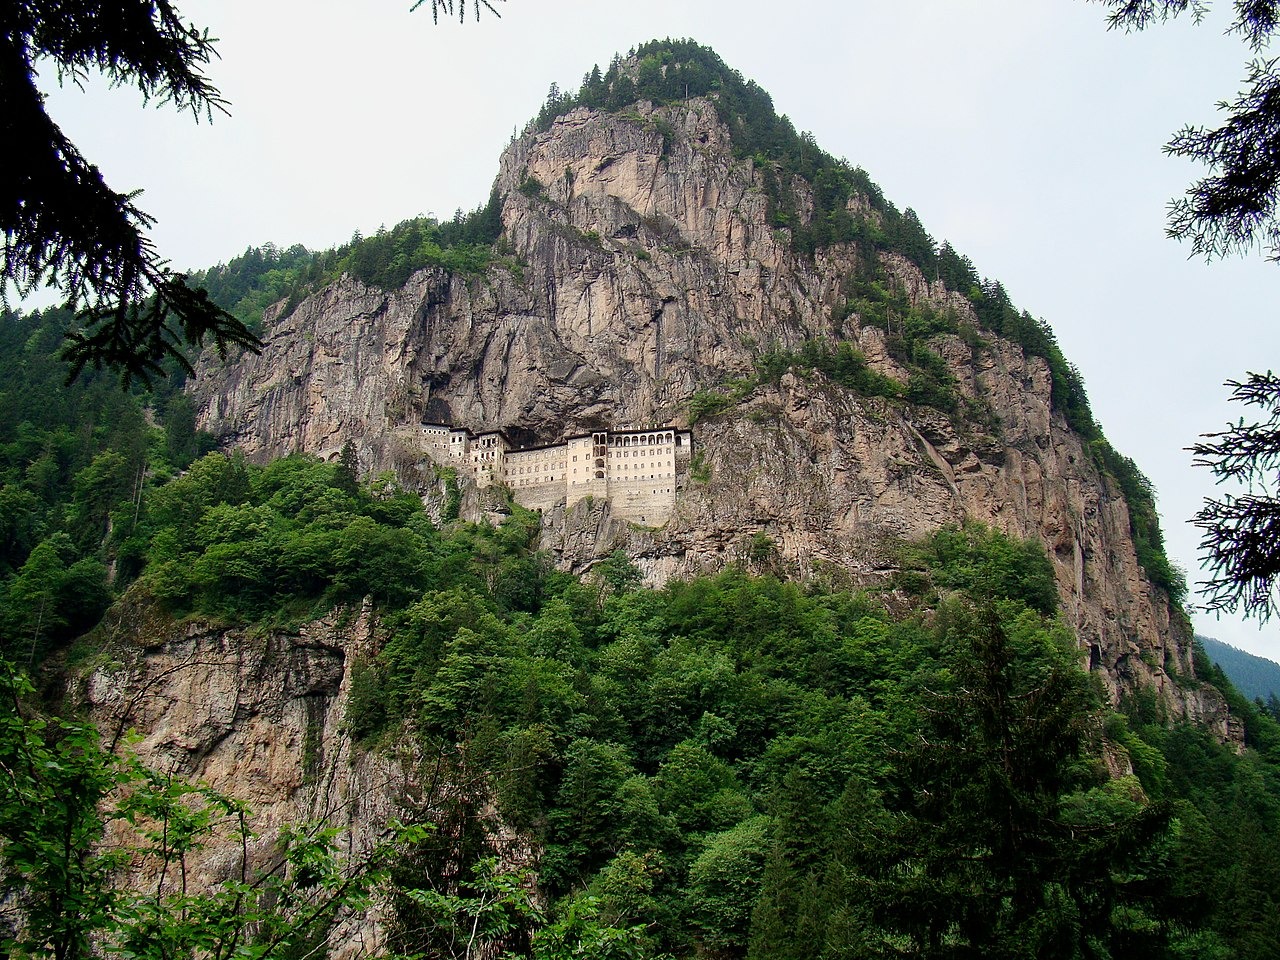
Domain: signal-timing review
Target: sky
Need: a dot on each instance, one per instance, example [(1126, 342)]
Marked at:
[(1026, 134)]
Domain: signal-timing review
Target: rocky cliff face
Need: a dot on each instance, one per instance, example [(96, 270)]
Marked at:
[(256, 716), (259, 715), (650, 270)]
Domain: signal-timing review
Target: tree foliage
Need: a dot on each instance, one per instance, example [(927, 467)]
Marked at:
[(1233, 208), (447, 8), (64, 227), (264, 276), (1000, 804), (1240, 533), (59, 862), (731, 764)]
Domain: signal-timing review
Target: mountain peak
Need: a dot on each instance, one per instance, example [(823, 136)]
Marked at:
[(670, 252)]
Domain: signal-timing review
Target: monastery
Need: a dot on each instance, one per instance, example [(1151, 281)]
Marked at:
[(636, 470)]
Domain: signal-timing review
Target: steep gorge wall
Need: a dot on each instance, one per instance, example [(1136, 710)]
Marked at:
[(650, 270)]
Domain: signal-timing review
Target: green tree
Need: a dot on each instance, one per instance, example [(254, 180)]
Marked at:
[(580, 931), (183, 443), (724, 882), (1008, 839), (99, 488), (32, 613), (1240, 534), (58, 866), (347, 475), (1233, 208), (589, 803), (617, 574), (19, 526), (700, 791)]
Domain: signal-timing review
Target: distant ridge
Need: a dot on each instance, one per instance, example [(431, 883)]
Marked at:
[(1253, 676)]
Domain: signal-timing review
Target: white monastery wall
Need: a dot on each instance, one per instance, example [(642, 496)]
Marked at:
[(636, 470)]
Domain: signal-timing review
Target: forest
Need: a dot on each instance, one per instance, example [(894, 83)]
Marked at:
[(733, 766)]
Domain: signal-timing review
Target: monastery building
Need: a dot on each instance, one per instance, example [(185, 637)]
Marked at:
[(636, 470)]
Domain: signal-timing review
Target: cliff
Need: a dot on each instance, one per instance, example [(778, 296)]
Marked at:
[(260, 715), (648, 268)]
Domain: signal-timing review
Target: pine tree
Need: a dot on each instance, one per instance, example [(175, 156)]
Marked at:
[(1006, 838)]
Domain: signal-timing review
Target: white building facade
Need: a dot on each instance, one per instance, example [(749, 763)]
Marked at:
[(635, 470)]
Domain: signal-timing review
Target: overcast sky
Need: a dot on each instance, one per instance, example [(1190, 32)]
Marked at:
[(1024, 133)]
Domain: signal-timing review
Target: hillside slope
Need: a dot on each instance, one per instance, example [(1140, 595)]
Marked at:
[(654, 270), (1253, 676)]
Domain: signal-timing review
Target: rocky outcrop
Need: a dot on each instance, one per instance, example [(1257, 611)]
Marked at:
[(644, 269), (255, 715), (261, 716)]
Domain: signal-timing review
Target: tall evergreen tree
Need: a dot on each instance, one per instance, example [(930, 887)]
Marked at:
[(1007, 840)]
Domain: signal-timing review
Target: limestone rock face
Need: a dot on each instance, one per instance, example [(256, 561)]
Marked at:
[(261, 716), (649, 270), (254, 714)]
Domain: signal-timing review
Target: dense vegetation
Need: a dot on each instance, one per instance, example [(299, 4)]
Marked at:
[(263, 276), (1256, 677), (732, 765), (74, 464), (736, 765)]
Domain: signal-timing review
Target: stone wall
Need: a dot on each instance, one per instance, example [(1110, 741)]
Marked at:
[(635, 470)]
